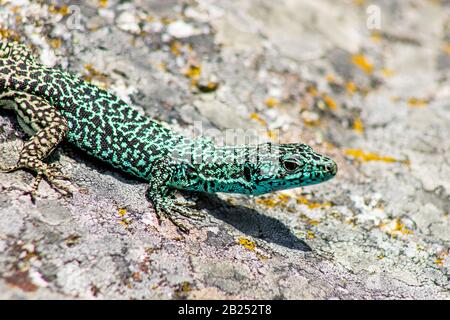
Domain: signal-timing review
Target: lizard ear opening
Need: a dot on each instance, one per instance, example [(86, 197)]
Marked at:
[(247, 172)]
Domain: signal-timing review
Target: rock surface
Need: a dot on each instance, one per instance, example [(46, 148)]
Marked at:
[(372, 93)]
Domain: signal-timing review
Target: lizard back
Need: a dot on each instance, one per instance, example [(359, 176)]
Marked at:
[(99, 122)]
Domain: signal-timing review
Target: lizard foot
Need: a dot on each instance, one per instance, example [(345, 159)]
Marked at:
[(175, 210), (51, 173)]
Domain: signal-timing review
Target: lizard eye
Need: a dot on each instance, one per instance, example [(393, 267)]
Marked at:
[(290, 165)]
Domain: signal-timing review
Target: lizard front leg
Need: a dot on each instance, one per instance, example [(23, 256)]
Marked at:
[(36, 115), (162, 196)]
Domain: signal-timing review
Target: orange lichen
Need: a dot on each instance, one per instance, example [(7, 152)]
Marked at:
[(362, 63), (369, 156), (246, 243), (329, 101)]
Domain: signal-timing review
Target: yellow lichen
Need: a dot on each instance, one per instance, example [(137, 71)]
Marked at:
[(417, 102), (310, 234), (362, 63), (162, 66), (95, 76), (395, 228), (246, 243), (387, 72), (375, 37), (351, 87), (447, 48), (267, 202), (330, 77), (103, 3), (175, 48), (209, 86), (312, 205), (441, 258), (55, 43), (62, 10), (194, 71), (270, 202), (312, 91), (125, 222), (272, 134), (369, 156), (284, 197), (271, 102), (400, 227), (185, 287), (256, 117), (9, 34), (358, 125)]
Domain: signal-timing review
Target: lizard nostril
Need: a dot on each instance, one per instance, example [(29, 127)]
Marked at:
[(330, 168)]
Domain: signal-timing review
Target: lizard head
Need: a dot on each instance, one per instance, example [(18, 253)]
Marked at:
[(255, 169), (287, 166)]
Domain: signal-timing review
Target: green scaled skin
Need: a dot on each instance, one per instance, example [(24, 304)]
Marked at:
[(53, 105)]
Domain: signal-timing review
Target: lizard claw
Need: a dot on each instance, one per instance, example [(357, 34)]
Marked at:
[(51, 174)]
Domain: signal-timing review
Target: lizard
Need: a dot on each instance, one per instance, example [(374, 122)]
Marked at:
[(53, 105)]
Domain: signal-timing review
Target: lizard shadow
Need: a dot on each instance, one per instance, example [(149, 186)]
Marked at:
[(251, 222)]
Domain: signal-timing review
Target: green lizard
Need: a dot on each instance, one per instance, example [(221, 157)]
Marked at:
[(53, 105)]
